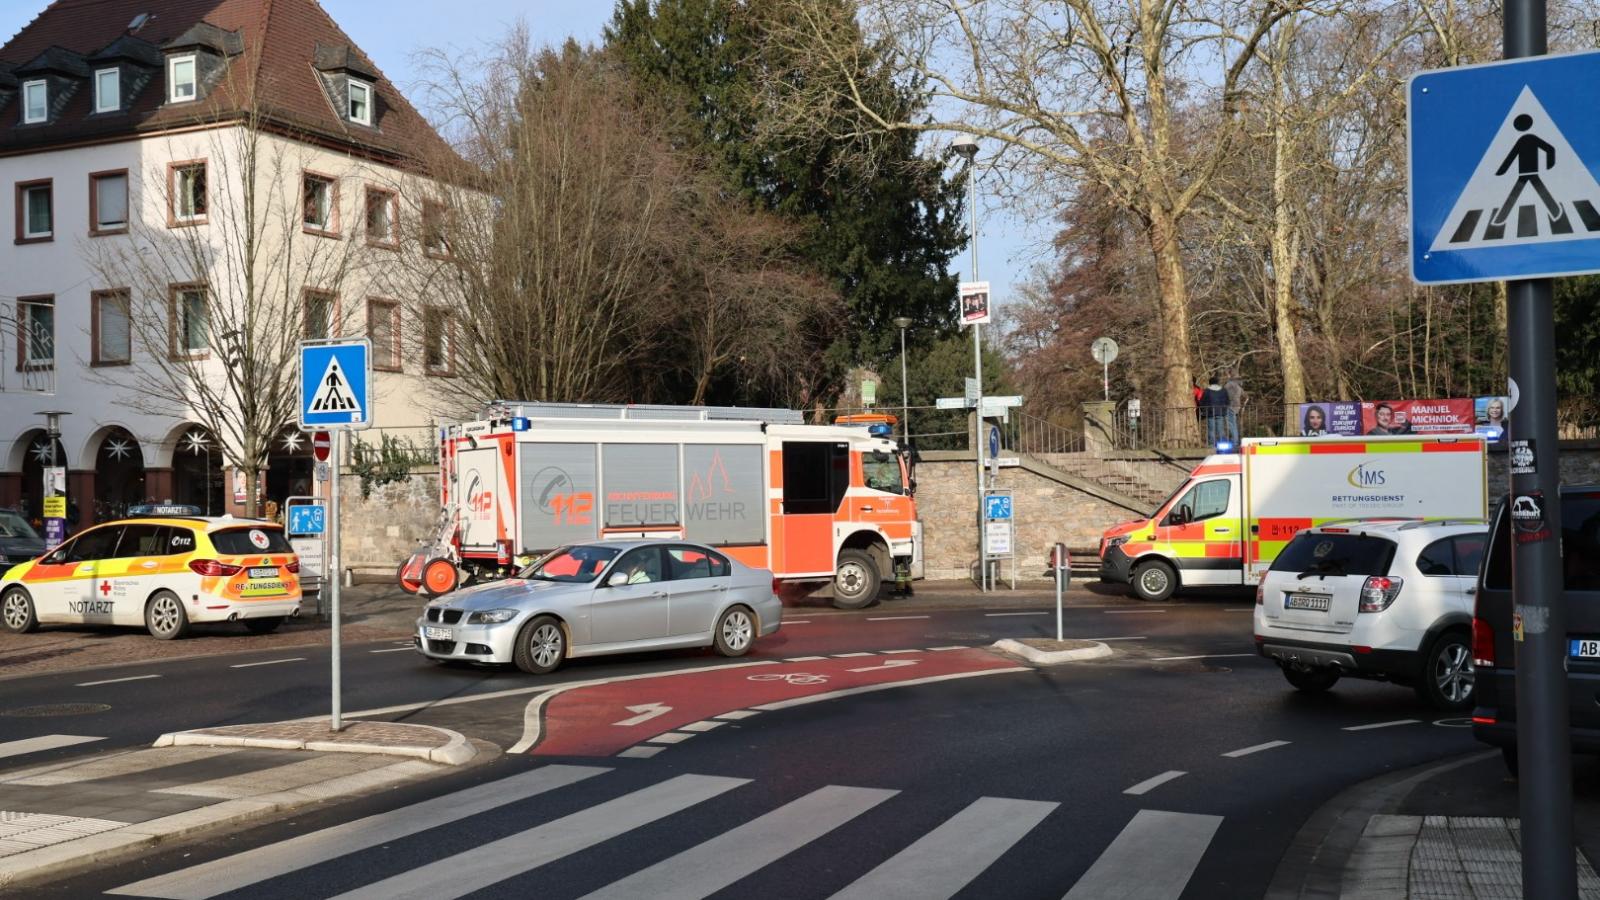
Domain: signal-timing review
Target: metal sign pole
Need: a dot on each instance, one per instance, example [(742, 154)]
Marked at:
[(333, 578), (1543, 748), (1061, 565)]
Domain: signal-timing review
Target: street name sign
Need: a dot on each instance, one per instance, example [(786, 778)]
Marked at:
[(334, 381), (1502, 169)]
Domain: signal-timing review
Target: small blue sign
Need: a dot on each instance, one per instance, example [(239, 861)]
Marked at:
[(1502, 165), (308, 518), (334, 377), (997, 506), (994, 441)]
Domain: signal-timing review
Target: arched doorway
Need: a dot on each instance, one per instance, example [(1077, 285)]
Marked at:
[(290, 467), (119, 478), (35, 458), (197, 471)]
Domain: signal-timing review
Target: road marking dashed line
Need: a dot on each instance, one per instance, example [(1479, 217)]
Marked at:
[(641, 752), (1132, 612), (1003, 615), (270, 662), (804, 658), (1150, 784), (738, 714), (391, 649), (669, 737), (1201, 656), (850, 655), (1246, 751), (894, 618), (1376, 725), (116, 680)]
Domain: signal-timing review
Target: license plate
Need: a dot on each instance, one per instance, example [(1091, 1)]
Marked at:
[(1312, 602), (434, 633), (263, 572), (1584, 648)]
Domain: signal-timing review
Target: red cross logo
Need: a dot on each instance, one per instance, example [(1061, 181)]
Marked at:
[(105, 588)]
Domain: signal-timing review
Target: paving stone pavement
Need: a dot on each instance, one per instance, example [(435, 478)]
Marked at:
[(1444, 858)]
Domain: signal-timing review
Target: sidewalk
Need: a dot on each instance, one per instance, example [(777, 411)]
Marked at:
[(62, 816), (1446, 831)]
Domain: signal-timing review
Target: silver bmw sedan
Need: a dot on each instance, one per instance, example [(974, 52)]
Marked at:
[(611, 597)]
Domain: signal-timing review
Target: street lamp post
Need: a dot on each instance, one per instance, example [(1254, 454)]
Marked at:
[(902, 323), (967, 147)]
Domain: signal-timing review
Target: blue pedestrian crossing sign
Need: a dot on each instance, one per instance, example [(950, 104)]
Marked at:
[(334, 377), (1502, 170)]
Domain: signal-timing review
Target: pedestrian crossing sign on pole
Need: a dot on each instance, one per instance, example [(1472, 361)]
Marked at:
[(1502, 170), (334, 378)]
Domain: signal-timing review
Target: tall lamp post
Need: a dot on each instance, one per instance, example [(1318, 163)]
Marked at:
[(902, 323), (967, 147)]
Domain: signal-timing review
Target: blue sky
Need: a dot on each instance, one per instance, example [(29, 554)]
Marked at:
[(392, 31)]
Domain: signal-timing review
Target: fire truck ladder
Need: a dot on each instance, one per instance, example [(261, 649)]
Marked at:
[(642, 412)]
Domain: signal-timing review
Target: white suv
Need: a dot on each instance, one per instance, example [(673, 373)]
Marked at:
[(1383, 600)]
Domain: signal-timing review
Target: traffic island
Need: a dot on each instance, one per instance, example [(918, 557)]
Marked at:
[(1051, 652), (437, 745)]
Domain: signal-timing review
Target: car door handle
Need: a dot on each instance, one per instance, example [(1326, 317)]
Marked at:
[(722, 588), (869, 509), (1472, 591), (148, 564), (1223, 530), (658, 594)]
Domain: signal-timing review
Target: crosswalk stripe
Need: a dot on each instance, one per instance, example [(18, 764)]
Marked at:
[(252, 866), (491, 863), (946, 859), (1152, 859), (44, 742), (709, 867)]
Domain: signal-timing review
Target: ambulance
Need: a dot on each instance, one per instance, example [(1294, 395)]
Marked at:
[(810, 503), (164, 572), (1228, 521)]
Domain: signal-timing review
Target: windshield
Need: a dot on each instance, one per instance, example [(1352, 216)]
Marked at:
[(13, 526), (576, 565), (882, 472), (1321, 553)]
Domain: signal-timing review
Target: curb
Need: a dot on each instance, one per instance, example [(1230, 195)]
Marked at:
[(1051, 657), (457, 750)]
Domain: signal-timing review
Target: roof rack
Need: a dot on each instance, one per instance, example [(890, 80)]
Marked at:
[(1421, 522), (642, 411)]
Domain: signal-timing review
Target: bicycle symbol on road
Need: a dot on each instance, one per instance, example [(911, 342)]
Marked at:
[(800, 678)]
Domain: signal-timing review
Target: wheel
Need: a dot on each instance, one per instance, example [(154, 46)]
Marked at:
[(411, 584), (1508, 755), (1312, 681), (856, 580), (165, 618), (1448, 676), (1154, 581), (541, 646), (736, 632), (440, 577), (264, 625), (16, 609)]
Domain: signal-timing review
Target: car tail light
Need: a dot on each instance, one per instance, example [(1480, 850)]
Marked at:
[(213, 569), (1379, 591), (1482, 643), (776, 584), (293, 566)]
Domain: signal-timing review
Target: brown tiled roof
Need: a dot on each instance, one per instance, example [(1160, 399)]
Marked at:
[(279, 39)]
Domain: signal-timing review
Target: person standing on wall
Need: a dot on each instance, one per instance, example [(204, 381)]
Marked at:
[(1237, 398), (1214, 410)]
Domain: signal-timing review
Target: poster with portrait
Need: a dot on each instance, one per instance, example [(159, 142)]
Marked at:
[(1417, 417), (974, 303), (1489, 417), (1314, 419)]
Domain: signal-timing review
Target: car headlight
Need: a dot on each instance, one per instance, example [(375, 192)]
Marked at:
[(491, 616), (1117, 541)]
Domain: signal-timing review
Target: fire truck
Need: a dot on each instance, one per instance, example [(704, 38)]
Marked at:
[(811, 503)]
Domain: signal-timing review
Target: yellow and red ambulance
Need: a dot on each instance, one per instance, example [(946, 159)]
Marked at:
[(163, 572), (811, 503), (1227, 522)]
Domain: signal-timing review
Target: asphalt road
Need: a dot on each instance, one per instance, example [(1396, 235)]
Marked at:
[(1176, 761)]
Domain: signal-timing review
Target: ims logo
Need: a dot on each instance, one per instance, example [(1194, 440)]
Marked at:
[(1365, 476)]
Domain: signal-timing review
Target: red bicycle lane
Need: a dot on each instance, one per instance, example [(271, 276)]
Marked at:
[(604, 719)]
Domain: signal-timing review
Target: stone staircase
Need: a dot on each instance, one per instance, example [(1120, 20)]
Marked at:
[(1150, 481)]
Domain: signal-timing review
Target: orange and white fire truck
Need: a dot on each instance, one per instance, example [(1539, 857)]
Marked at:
[(811, 503)]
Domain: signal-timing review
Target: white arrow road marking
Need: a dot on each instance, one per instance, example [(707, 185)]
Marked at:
[(646, 712), (887, 664)]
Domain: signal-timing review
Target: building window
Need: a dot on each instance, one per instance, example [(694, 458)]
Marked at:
[(360, 102), (435, 242), (107, 90), (35, 212), (36, 338), (186, 192), (438, 342), (190, 325), (321, 201), (321, 312), (383, 208), (113, 327), (383, 331), (182, 84), (108, 202), (35, 102)]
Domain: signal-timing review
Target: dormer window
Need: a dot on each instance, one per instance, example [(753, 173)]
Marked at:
[(360, 102), (107, 90), (35, 102), (182, 80)]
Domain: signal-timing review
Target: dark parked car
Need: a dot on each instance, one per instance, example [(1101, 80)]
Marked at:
[(1494, 648), (18, 541)]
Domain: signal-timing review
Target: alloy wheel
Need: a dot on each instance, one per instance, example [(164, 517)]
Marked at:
[(737, 630), (1453, 672), (16, 611), (164, 613), (546, 641)]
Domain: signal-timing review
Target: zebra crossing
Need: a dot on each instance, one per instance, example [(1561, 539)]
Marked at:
[(1154, 856)]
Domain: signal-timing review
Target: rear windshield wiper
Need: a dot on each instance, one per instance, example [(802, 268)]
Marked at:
[(1327, 567)]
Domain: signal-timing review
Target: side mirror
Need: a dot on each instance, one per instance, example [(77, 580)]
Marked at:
[(617, 579), (1185, 514)]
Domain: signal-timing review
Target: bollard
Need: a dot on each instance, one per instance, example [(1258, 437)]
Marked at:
[(1063, 575)]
